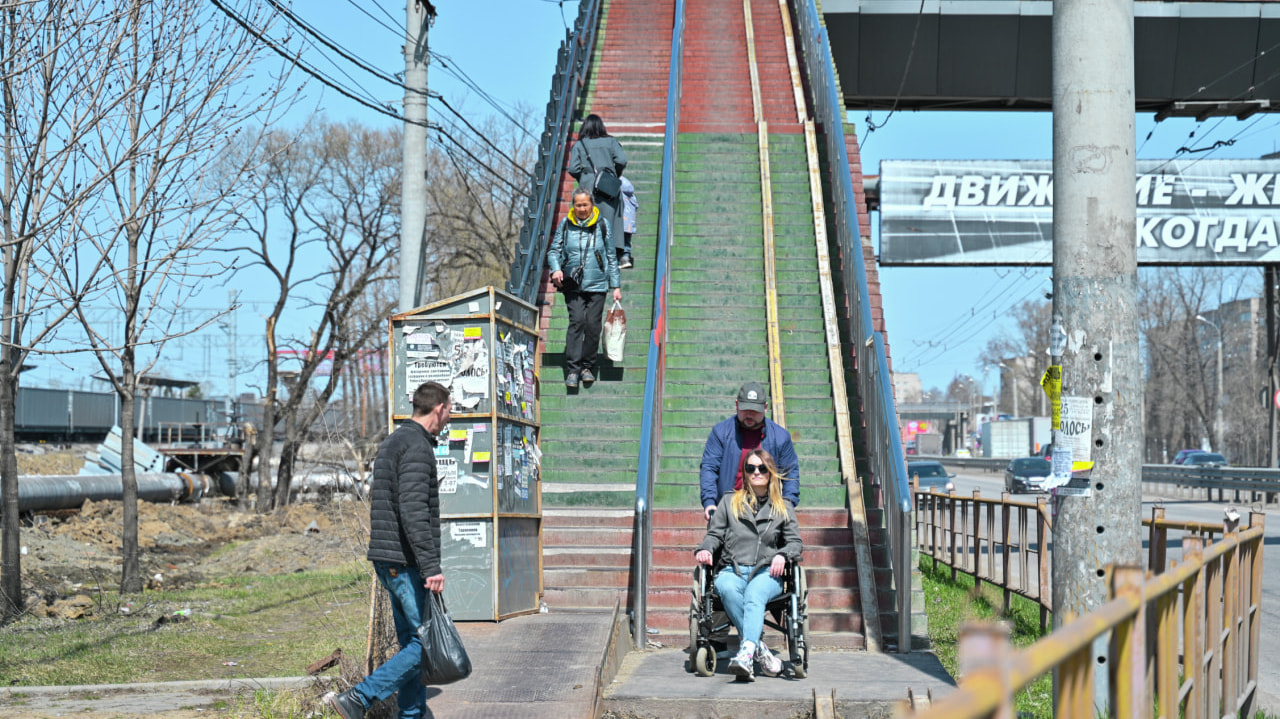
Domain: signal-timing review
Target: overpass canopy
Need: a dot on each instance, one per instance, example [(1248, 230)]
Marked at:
[(1191, 58)]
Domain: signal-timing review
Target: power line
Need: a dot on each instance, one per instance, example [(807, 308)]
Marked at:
[(305, 68), (906, 69)]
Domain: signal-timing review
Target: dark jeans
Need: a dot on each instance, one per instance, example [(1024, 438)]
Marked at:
[(403, 672), (582, 341)]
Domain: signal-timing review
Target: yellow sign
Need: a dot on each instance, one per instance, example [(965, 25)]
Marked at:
[(479, 457), (457, 435), (471, 332), (1051, 382)]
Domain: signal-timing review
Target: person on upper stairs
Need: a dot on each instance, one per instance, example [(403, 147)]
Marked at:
[(596, 162), (730, 441), (583, 266)]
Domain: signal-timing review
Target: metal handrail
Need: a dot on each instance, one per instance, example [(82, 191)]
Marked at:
[(1192, 632), (572, 65), (651, 420), (874, 383)]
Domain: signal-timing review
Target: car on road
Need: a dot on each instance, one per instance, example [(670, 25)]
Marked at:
[(1205, 459), (1026, 474), (1181, 457), (928, 473)]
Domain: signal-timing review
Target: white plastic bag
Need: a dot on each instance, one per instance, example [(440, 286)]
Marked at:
[(615, 332)]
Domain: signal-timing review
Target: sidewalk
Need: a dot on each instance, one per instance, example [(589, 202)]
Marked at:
[(656, 684), (532, 667)]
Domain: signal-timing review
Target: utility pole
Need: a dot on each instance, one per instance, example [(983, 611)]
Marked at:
[(413, 184), (1095, 327)]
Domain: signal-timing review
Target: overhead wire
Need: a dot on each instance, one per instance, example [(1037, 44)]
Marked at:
[(962, 323), (382, 75)]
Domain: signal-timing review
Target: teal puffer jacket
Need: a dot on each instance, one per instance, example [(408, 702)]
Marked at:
[(591, 241)]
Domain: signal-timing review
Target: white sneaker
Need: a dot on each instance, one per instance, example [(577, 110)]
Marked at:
[(741, 665), (770, 664)]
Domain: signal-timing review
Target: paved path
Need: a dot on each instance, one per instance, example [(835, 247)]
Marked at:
[(542, 666), (656, 684)]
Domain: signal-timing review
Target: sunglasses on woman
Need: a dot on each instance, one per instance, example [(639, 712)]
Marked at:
[(754, 469)]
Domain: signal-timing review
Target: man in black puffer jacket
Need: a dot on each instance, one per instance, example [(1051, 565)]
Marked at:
[(404, 546)]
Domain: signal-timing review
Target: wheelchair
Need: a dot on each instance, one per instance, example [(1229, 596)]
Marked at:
[(786, 613)]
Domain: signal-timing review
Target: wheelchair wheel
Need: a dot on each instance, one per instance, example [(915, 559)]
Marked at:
[(704, 661), (798, 641)]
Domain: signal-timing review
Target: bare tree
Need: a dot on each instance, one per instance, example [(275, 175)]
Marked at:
[(179, 77), (1181, 394), (1022, 352), (478, 191), (51, 101), (336, 188)]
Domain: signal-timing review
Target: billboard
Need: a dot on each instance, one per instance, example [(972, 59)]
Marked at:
[(1000, 212)]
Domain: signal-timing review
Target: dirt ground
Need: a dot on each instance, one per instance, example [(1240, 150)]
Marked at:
[(72, 552)]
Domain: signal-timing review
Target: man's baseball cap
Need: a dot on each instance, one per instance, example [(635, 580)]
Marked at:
[(753, 397)]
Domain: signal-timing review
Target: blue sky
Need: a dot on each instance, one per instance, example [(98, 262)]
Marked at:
[(508, 47)]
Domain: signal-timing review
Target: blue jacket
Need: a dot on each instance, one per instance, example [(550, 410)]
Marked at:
[(723, 450), (590, 244)]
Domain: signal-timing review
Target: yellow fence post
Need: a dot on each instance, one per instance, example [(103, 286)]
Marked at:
[(985, 647), (1128, 648), (1159, 538), (1192, 634)]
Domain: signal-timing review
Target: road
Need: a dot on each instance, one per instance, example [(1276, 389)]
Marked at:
[(991, 484)]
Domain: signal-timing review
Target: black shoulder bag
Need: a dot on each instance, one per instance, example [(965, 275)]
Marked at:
[(606, 183)]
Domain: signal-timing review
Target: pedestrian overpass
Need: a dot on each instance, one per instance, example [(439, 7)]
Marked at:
[(753, 261)]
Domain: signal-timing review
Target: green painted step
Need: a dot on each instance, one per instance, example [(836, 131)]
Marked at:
[(590, 499)]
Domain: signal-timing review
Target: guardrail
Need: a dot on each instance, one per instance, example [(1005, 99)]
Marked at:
[(1192, 633), (1187, 481), (572, 64), (875, 388), (651, 419), (949, 530)]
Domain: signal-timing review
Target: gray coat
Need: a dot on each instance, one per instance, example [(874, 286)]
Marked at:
[(752, 541), (576, 244), (604, 152)]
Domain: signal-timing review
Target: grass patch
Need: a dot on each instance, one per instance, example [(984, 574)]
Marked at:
[(234, 627), (950, 604)]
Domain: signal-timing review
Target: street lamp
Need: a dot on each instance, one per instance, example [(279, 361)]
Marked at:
[(1217, 433)]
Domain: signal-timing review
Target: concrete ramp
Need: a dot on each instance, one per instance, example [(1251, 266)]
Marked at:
[(657, 684)]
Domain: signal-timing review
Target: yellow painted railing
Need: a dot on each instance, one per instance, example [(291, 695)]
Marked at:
[(1183, 643)]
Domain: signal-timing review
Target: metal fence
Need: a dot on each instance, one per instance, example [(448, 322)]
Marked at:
[(1010, 549), (572, 65), (875, 388), (651, 420), (1185, 639)]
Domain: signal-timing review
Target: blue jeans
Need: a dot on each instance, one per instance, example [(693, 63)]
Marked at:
[(744, 596), (403, 672)]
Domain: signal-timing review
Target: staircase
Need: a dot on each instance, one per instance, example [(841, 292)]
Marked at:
[(591, 436), (717, 315), (716, 327)]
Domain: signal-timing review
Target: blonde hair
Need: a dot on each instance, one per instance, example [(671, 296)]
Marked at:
[(746, 497)]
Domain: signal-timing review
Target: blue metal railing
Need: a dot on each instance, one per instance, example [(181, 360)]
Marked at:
[(874, 383), (572, 65), (651, 420)]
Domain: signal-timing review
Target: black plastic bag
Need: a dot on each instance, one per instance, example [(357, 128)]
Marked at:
[(444, 659)]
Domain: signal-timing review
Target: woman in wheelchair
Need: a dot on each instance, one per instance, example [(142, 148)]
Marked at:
[(755, 532)]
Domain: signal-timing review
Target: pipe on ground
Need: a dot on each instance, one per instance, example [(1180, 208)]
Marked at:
[(44, 493)]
